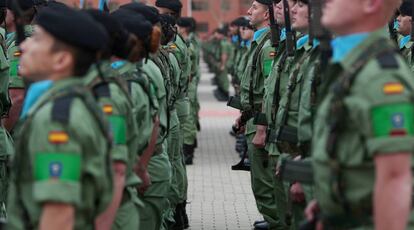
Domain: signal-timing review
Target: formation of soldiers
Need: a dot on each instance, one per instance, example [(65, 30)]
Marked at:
[(327, 115), (100, 115)]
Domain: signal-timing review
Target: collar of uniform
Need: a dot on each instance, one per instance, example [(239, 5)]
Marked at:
[(259, 34), (235, 39), (55, 87), (246, 43), (283, 34), (405, 42), (359, 47), (343, 45), (303, 42), (34, 93)]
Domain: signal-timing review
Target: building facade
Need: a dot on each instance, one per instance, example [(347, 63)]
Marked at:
[(210, 14)]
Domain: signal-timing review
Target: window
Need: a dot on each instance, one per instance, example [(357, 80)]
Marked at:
[(225, 5), (200, 5), (202, 27), (246, 3)]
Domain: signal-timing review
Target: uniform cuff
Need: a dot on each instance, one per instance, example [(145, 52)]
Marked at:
[(59, 191), (390, 145)]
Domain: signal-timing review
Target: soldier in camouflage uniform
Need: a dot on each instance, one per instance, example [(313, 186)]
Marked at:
[(362, 146)]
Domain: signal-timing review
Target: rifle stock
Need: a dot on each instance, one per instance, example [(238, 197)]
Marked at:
[(274, 28), (319, 32), (290, 39)]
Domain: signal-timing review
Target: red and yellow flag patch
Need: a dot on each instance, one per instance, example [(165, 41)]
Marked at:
[(108, 109), (17, 53), (393, 88), (272, 54), (58, 137)]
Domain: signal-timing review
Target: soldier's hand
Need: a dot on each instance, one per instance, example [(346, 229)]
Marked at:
[(312, 210), (142, 173), (296, 193), (259, 139), (146, 182)]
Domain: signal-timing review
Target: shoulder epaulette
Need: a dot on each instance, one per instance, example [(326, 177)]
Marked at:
[(102, 90), (61, 108), (388, 61)]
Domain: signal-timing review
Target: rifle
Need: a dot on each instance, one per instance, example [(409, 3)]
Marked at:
[(290, 37), (274, 28), (19, 21), (320, 33)]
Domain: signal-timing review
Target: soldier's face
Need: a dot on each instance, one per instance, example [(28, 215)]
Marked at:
[(279, 13), (404, 24), (341, 16), (233, 30), (300, 17), (247, 33), (38, 60), (258, 14), (36, 51)]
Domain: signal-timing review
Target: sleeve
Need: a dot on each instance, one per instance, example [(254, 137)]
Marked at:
[(57, 164), (267, 60), (118, 128), (389, 114)]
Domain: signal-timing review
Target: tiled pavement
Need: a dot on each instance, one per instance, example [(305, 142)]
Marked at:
[(220, 199)]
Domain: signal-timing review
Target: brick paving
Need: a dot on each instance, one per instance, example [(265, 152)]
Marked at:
[(220, 199)]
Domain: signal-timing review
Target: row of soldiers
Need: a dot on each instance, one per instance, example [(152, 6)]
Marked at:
[(100, 115), (326, 101)]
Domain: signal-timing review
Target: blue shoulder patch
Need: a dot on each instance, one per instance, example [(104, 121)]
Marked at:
[(117, 64)]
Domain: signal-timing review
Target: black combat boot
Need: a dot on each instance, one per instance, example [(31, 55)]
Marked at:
[(185, 216), (188, 151), (178, 218)]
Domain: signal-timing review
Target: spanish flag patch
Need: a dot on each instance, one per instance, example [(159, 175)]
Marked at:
[(58, 137), (272, 54), (173, 46), (393, 88), (108, 109)]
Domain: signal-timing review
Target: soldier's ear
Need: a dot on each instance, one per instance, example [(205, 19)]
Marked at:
[(372, 6)]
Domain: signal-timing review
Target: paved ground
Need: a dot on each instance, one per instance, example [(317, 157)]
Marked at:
[(220, 199)]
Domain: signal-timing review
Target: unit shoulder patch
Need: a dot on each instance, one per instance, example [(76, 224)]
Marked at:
[(393, 120)]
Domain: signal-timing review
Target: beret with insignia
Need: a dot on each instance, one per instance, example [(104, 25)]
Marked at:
[(73, 27), (149, 12)]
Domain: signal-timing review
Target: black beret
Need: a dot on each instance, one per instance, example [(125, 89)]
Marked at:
[(167, 19), (24, 4), (73, 27), (3, 3), (118, 34), (54, 4), (237, 21), (304, 1), (406, 8), (174, 5), (185, 22), (149, 12), (134, 23), (265, 2)]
